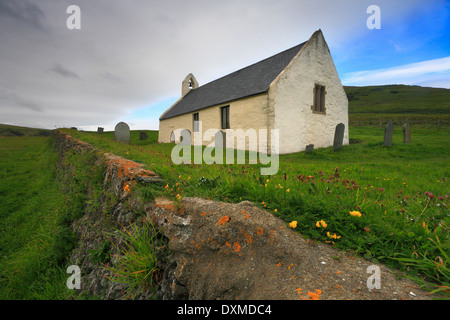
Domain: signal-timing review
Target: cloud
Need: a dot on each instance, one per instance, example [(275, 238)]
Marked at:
[(431, 72), (111, 77), (59, 69), (130, 56), (23, 11), (12, 100)]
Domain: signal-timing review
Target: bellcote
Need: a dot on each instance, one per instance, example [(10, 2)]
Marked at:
[(189, 83)]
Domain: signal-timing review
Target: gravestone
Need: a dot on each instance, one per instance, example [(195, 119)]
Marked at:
[(338, 136), (220, 139), (406, 132), (388, 131), (143, 135), (122, 132), (100, 130), (185, 137), (309, 148)]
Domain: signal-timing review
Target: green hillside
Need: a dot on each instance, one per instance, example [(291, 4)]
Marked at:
[(7, 130), (397, 102)]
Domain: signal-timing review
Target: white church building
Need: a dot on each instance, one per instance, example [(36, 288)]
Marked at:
[(297, 91)]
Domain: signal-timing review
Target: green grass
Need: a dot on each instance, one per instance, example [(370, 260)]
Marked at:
[(397, 102), (33, 242), (137, 265), (401, 191), (40, 197), (38, 203)]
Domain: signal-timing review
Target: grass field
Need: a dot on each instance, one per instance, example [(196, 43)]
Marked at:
[(401, 193), (30, 209), (37, 205)]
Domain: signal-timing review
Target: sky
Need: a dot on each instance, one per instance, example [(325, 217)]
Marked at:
[(128, 58)]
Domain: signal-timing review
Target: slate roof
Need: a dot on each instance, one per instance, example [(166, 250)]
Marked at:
[(245, 82)]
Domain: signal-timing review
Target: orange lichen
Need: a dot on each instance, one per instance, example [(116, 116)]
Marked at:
[(222, 220), (314, 295), (236, 247), (248, 237)]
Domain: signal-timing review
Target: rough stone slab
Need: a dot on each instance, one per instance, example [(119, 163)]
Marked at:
[(338, 136), (122, 132), (239, 251), (388, 132), (143, 135), (406, 132)]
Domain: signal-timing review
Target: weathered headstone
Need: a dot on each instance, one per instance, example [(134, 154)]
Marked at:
[(122, 132), (220, 139), (388, 131), (406, 132), (338, 136), (185, 137), (143, 135), (100, 130), (309, 148)]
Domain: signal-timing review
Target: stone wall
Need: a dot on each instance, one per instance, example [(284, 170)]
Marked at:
[(116, 207), (218, 250)]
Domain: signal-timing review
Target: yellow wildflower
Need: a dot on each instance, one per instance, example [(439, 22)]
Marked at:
[(321, 223), (293, 224), (334, 236), (355, 214)]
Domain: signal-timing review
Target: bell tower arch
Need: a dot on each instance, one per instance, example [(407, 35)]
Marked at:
[(189, 83)]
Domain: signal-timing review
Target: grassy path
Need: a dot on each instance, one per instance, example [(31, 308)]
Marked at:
[(31, 204)]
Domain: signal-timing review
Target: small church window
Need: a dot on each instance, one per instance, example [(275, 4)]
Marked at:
[(225, 117), (319, 99), (196, 120)]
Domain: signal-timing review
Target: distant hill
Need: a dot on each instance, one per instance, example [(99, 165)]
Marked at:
[(7, 130), (366, 105), (398, 101)]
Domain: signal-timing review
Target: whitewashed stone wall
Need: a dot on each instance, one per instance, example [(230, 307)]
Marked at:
[(292, 93)]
